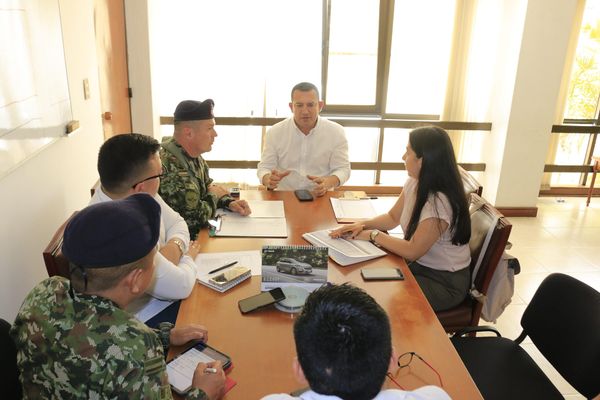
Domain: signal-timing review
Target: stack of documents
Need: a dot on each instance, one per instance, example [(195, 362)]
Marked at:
[(208, 262), (352, 210), (267, 220), (225, 280), (342, 251)]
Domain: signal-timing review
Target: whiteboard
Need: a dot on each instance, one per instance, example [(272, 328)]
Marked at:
[(34, 94)]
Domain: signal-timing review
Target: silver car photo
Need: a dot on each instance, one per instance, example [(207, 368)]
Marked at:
[(292, 266)]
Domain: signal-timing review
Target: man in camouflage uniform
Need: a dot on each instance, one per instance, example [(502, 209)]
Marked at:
[(75, 339), (186, 185)]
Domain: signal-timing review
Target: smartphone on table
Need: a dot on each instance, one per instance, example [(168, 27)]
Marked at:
[(382, 274), (261, 300), (303, 195)]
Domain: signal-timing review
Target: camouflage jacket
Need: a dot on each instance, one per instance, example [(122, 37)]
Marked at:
[(78, 346), (185, 186)]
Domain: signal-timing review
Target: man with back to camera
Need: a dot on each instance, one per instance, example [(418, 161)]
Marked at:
[(129, 164), (305, 151), (344, 349), (76, 340), (186, 185)]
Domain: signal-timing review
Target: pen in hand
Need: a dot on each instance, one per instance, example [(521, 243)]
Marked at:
[(223, 267), (210, 370)]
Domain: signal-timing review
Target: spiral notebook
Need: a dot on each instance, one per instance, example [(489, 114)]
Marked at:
[(295, 265), (227, 279)]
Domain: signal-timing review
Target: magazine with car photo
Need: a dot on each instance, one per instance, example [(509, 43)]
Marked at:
[(304, 266)]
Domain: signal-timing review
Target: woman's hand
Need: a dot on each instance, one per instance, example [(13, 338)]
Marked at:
[(347, 231), (180, 336)]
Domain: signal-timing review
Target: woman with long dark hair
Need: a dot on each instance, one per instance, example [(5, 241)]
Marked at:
[(434, 214)]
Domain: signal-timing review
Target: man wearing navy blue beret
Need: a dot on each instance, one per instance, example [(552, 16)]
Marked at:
[(76, 340), (186, 185)]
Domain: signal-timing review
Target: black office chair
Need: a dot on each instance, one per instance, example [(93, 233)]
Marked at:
[(9, 373), (563, 321)]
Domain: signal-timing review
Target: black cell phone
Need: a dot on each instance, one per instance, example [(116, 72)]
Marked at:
[(303, 195), (382, 274), (260, 300)]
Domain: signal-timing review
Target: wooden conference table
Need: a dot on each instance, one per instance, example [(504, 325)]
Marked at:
[(261, 344)]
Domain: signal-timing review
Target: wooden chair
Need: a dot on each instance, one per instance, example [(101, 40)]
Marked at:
[(56, 262), (471, 185), (484, 219), (563, 322)]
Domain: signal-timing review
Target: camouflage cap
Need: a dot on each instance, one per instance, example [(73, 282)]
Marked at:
[(192, 110), (113, 233)]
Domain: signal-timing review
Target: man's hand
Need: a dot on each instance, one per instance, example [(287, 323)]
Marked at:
[(212, 384), (240, 206), (271, 181), (218, 191), (323, 183), (171, 252), (180, 336), (194, 249)]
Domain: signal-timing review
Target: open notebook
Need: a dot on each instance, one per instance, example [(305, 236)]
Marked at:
[(342, 251)]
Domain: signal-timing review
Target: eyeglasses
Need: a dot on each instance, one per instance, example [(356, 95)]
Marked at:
[(150, 178), (404, 361)]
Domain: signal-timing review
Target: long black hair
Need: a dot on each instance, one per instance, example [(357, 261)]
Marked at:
[(439, 174)]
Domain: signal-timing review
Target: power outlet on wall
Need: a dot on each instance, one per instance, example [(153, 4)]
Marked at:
[(86, 89)]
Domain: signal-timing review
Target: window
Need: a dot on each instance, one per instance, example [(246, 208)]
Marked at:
[(375, 58), (352, 52), (421, 43), (583, 99)]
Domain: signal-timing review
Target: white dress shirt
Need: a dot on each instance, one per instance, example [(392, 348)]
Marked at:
[(423, 393), (170, 282), (323, 152)]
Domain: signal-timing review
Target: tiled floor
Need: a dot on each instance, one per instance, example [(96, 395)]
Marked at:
[(564, 237)]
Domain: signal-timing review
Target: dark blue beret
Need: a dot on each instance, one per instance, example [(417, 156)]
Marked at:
[(113, 233), (192, 110)]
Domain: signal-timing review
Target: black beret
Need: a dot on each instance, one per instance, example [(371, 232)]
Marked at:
[(113, 233), (192, 110)]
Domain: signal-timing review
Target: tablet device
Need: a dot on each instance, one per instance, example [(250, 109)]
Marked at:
[(181, 369), (382, 274)]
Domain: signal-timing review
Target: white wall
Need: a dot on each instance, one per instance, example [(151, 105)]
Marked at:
[(523, 105), (144, 114), (39, 195)]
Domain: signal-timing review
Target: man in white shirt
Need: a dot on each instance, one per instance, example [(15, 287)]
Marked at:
[(344, 348), (129, 164), (305, 151)]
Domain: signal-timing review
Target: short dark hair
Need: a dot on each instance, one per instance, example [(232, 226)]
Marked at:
[(343, 342), (122, 160), (304, 87)]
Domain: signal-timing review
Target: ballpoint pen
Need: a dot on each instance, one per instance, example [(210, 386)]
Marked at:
[(223, 267)]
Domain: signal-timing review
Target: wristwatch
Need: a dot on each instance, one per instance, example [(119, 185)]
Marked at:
[(164, 334), (373, 235), (179, 244)]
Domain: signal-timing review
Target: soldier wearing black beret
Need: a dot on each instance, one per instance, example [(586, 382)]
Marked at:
[(76, 340), (186, 185)]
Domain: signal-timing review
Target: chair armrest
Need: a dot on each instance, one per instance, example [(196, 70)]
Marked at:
[(475, 329)]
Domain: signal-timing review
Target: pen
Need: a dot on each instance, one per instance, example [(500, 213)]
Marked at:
[(223, 267), (210, 370)]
